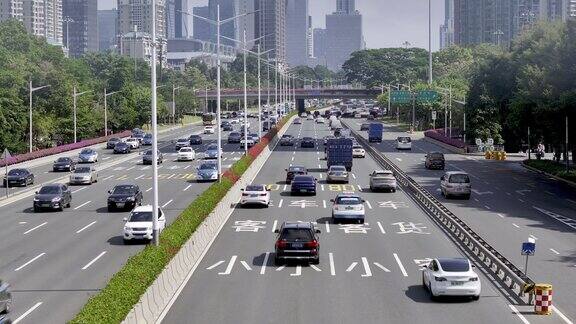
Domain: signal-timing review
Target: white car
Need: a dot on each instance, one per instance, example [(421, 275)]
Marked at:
[(133, 142), (250, 141), (84, 175), (186, 154), (320, 120), (234, 121), (383, 180), (209, 130), (242, 124), (255, 195), (309, 117), (139, 225), (403, 143), (348, 206), (358, 151), (451, 277)]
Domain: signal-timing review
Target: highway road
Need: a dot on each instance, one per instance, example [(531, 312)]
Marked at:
[(367, 273), (509, 204), (55, 261)]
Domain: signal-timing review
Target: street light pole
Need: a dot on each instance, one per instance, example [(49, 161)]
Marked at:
[(429, 41), (245, 98), (74, 96), (174, 88), (259, 97), (106, 110), (155, 229), (31, 91)]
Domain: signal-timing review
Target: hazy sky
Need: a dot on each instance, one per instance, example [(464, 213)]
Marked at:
[(387, 23)]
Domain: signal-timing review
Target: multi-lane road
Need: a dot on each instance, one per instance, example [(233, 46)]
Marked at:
[(368, 273), (55, 261)]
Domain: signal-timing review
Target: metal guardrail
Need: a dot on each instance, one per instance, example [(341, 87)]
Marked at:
[(499, 265)]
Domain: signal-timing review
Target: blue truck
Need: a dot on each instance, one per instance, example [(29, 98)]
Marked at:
[(375, 132), (339, 152)]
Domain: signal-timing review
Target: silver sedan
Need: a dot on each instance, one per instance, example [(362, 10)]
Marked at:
[(84, 175), (337, 173)]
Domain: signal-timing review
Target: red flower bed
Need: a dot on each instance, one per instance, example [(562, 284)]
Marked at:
[(438, 134)]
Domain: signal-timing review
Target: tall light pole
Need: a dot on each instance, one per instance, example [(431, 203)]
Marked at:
[(31, 91), (74, 96), (155, 229), (106, 95), (67, 20), (429, 41), (245, 97), (174, 88)]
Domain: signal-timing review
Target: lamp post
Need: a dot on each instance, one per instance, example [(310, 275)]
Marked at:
[(31, 91), (155, 229), (106, 110), (174, 88), (429, 41), (74, 96)]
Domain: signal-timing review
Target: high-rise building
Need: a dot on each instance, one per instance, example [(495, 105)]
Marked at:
[(346, 6), (81, 36), (178, 23), (310, 39), (271, 26), (41, 18), (343, 34), (11, 9), (245, 22), (297, 32), (170, 15), (228, 30), (201, 27), (139, 13), (320, 46), (107, 33), (447, 29)]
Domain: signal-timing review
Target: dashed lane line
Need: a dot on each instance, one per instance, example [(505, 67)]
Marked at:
[(34, 228), (93, 260), (26, 313), (27, 263), (82, 205), (520, 316)]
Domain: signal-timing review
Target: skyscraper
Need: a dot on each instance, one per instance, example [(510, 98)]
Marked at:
[(320, 45), (343, 34), (201, 28), (107, 34), (82, 34), (178, 24), (447, 29), (138, 13), (227, 10), (297, 32), (310, 39), (271, 23), (11, 9), (346, 6)]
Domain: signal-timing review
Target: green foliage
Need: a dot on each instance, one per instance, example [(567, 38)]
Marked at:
[(554, 168)]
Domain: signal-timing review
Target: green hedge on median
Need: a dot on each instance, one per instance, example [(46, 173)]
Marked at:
[(551, 167), (123, 291)]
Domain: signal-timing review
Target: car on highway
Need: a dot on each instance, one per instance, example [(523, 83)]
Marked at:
[(124, 196), (307, 142), (5, 297), (234, 121), (287, 140), (320, 120), (112, 142), (403, 143), (365, 126), (234, 137), (207, 171), (18, 177), (293, 171), (63, 164), (224, 123), (212, 152), (358, 151), (254, 137), (297, 121), (138, 226), (228, 128), (84, 175), (357, 116), (451, 277), (255, 195), (337, 173), (180, 143), (383, 180), (348, 206), (88, 155), (148, 156), (309, 117), (297, 241), (434, 160), (248, 140), (327, 138), (122, 148), (147, 140), (139, 137), (195, 139), (455, 183), (186, 154), (209, 129), (52, 196), (303, 184), (133, 142)]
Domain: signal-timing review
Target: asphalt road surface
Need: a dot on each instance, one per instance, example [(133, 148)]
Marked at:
[(367, 273)]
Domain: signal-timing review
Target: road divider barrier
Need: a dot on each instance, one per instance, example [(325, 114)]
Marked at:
[(543, 299)]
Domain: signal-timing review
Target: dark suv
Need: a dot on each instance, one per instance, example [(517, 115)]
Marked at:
[(195, 139), (303, 184), (293, 171), (297, 241), (125, 196), (53, 196), (287, 140), (434, 160), (234, 137)]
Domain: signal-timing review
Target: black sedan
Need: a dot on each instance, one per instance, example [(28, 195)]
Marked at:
[(287, 140), (122, 148), (54, 196), (365, 127), (19, 177), (234, 137), (303, 184), (112, 142), (64, 164), (195, 139), (297, 241), (124, 196), (227, 128), (307, 142)]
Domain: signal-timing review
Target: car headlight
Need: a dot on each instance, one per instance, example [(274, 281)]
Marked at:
[(36, 199), (130, 199), (56, 199), (127, 228)]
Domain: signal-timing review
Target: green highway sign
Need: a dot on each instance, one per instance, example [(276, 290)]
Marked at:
[(400, 97), (427, 96)]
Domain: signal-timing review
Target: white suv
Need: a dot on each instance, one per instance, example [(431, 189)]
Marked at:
[(139, 225), (133, 142)]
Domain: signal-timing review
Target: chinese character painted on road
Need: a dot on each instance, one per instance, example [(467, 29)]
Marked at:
[(249, 226), (229, 266), (367, 269), (392, 204), (422, 262), (355, 228), (409, 227), (303, 203)]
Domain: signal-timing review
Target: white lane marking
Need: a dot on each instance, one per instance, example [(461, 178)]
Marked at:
[(264, 263), (563, 219), (148, 189), (332, 268), (327, 227), (322, 187), (292, 159), (500, 215), (520, 200), (274, 226), (352, 266), (298, 271), (557, 311), (246, 266), (359, 188), (280, 204), (476, 199), (321, 176), (555, 252), (324, 203), (171, 176), (167, 203), (27, 263), (520, 316), (353, 176), (22, 223), (230, 266), (381, 267), (94, 260), (319, 166), (570, 200), (368, 204), (75, 191), (400, 265), (108, 177), (186, 167), (315, 268), (36, 227), (515, 225), (224, 159), (285, 187), (106, 158), (214, 265), (188, 187), (550, 193), (534, 237), (293, 152), (381, 228), (82, 205), (399, 159), (487, 207), (26, 313), (85, 227), (130, 168), (280, 268), (367, 270), (140, 177)]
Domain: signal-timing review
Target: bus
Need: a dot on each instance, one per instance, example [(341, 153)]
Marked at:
[(209, 119)]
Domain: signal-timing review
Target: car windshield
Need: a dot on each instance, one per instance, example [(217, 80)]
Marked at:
[(286, 136), (49, 190), (63, 159), (459, 178), (16, 172), (307, 139), (302, 179), (296, 169), (148, 153), (86, 152), (124, 190), (454, 265), (384, 174), (148, 136), (141, 217), (357, 147), (212, 147), (337, 168), (208, 166), (348, 201), (195, 137), (293, 234), (255, 188), (404, 139), (120, 144), (114, 139), (82, 170), (186, 150), (234, 134)]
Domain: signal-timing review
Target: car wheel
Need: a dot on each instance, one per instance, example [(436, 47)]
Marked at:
[(125, 241), (432, 295), (467, 197), (316, 261), (36, 209), (61, 208), (423, 282), (277, 261), (476, 297), (7, 307), (393, 190)]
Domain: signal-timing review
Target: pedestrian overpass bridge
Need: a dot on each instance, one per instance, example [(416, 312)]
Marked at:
[(301, 94)]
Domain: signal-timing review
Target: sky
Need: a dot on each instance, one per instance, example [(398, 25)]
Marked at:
[(386, 23)]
